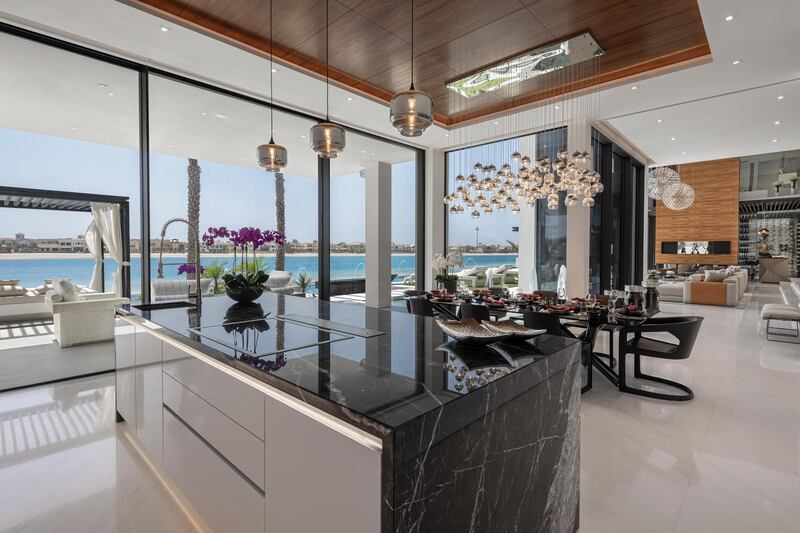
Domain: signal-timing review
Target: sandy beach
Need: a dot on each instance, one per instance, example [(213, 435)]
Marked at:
[(50, 255)]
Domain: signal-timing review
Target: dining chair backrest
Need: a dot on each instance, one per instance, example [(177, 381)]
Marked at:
[(411, 294), (683, 328), (419, 305), (479, 312), (546, 321)]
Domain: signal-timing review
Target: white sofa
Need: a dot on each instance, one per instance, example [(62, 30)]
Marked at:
[(696, 290), (177, 289), (88, 319)]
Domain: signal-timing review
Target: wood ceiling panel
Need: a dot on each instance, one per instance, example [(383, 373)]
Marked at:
[(370, 47)]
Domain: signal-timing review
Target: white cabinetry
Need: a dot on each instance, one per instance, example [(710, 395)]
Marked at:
[(125, 362), (148, 392), (318, 479)]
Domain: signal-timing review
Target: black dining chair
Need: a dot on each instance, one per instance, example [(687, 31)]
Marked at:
[(683, 328), (412, 294), (548, 295), (479, 312), (547, 321), (420, 306)]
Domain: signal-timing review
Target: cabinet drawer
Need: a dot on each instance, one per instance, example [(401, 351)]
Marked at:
[(240, 402), (222, 496), (231, 440)]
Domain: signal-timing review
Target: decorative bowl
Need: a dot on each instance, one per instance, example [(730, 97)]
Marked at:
[(510, 327), (470, 331)]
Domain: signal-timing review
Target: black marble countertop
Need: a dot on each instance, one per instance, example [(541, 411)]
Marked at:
[(378, 383)]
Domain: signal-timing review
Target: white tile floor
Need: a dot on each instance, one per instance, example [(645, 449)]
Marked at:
[(729, 461)]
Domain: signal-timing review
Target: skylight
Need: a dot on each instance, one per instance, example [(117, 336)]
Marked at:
[(528, 65)]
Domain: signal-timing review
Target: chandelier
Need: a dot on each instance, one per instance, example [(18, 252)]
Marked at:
[(271, 157), (665, 184), (678, 196), (488, 188), (411, 111), (660, 179)]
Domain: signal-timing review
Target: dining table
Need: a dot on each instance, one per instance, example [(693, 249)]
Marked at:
[(591, 323)]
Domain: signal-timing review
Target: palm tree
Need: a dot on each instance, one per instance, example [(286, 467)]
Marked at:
[(280, 215), (193, 206)]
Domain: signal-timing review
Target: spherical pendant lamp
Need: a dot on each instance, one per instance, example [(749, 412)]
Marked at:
[(678, 196)]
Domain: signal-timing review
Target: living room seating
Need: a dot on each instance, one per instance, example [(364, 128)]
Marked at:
[(684, 329), (782, 313), (473, 277), (280, 282), (710, 287), (88, 319)]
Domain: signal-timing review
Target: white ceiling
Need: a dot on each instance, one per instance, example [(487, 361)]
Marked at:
[(713, 110)]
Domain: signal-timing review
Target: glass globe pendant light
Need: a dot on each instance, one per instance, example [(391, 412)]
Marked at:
[(327, 138), (272, 157), (411, 111)]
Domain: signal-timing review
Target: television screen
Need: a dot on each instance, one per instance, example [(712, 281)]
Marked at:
[(669, 247), (719, 247)]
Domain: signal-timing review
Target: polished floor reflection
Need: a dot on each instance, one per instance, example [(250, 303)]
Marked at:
[(66, 466), (727, 461)]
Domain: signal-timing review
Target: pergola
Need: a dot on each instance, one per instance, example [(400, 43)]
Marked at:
[(76, 202)]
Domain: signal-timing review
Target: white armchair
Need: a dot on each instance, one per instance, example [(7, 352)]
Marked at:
[(88, 319), (280, 281)]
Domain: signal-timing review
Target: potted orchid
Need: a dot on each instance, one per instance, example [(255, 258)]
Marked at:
[(246, 280), (443, 265)]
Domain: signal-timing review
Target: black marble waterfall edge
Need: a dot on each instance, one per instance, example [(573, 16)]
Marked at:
[(516, 469)]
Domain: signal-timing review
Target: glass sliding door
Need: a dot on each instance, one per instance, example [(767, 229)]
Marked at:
[(551, 224), (56, 135)]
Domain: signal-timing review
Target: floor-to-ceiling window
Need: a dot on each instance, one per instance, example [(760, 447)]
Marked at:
[(67, 123), (551, 224), (373, 214), (617, 222), (204, 168)]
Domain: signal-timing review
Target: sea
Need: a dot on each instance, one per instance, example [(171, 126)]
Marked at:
[(32, 272)]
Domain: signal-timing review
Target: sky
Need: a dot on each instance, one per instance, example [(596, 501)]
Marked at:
[(230, 196)]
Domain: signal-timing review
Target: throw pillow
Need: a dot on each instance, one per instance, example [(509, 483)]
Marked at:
[(715, 275), (11, 290), (68, 290)]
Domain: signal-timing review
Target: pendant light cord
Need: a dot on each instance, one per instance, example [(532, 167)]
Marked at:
[(271, 54), (327, 65), (412, 45)]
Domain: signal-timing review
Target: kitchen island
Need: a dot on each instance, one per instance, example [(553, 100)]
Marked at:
[(299, 415)]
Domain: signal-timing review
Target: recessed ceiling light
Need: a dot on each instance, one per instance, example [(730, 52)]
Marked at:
[(373, 153), (274, 70), (634, 87), (447, 135), (683, 153), (110, 94), (220, 115), (363, 151), (777, 122), (659, 121), (164, 28), (169, 146), (729, 18), (497, 122), (302, 136), (349, 98), (780, 97), (674, 139), (73, 128), (774, 140), (736, 61), (557, 107), (204, 113)]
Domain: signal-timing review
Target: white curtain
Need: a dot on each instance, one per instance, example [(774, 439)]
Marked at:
[(534, 280), (562, 278), (94, 243), (108, 222), (490, 272)]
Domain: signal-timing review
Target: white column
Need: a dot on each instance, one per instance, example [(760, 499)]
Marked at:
[(378, 177), (435, 180), (527, 226), (579, 137)]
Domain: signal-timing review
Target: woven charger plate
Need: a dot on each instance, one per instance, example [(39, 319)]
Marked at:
[(470, 331), (510, 327)]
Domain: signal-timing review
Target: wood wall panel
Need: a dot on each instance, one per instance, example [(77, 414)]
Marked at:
[(714, 216)]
